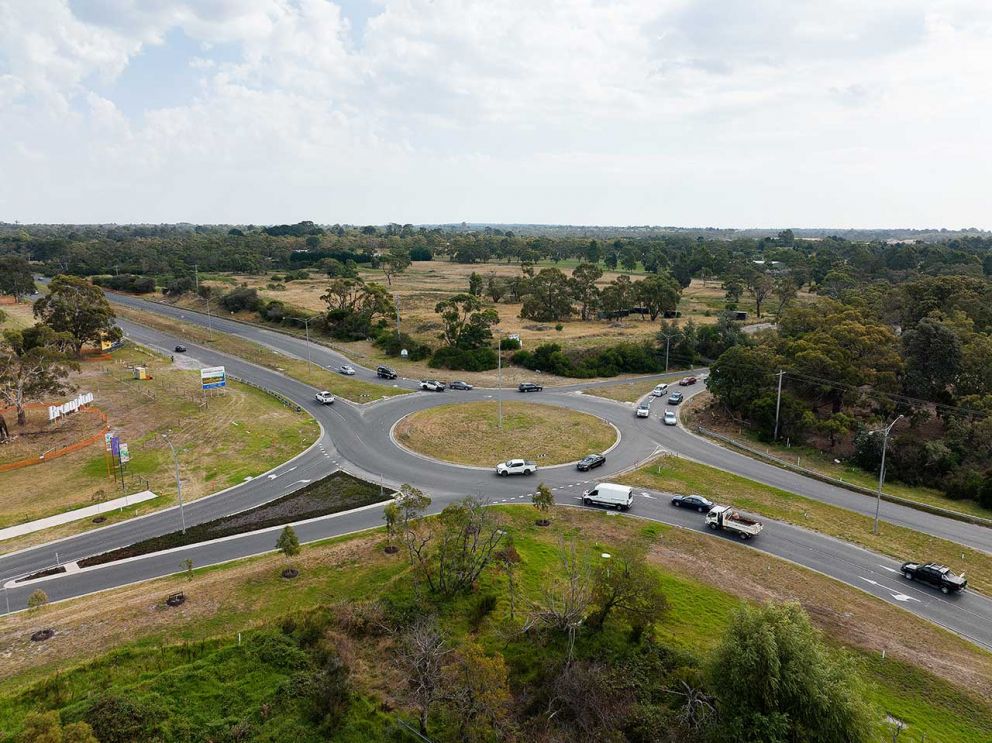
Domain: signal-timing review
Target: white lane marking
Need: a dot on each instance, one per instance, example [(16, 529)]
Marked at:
[(646, 495), (896, 595)]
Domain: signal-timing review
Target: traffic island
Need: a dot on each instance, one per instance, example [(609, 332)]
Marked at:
[(332, 494), (471, 434)]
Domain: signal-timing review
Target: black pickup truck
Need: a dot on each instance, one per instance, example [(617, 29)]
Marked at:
[(934, 574)]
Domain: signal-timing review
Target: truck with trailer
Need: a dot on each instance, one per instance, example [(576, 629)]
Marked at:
[(726, 518)]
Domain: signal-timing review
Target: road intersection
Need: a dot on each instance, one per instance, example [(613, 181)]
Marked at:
[(355, 438)]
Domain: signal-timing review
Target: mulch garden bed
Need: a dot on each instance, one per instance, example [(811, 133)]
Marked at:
[(333, 494)]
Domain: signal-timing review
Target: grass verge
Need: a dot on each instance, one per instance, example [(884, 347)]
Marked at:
[(631, 391), (469, 433), (332, 494), (356, 390), (676, 475), (193, 659)]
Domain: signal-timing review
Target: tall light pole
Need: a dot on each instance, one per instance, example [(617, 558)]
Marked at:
[(179, 482), (306, 324), (881, 470), (778, 404)]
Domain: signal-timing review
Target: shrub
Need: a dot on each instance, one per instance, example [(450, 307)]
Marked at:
[(421, 254), (965, 484), (37, 598), (127, 283), (479, 359), (117, 719), (510, 344), (240, 299), (623, 358), (391, 345)]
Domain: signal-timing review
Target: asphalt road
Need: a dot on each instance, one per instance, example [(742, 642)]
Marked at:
[(356, 438)]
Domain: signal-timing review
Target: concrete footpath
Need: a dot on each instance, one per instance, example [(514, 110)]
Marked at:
[(79, 513)]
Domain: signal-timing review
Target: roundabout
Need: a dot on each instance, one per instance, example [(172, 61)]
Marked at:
[(469, 433)]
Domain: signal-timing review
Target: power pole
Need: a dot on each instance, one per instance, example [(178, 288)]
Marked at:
[(778, 403), (196, 279), (499, 378), (668, 342)]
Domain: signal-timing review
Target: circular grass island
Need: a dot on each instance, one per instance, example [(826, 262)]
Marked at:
[(468, 433)]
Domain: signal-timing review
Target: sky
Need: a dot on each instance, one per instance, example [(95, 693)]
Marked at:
[(723, 113)]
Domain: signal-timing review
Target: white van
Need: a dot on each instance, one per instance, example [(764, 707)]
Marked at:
[(609, 494), (659, 391)]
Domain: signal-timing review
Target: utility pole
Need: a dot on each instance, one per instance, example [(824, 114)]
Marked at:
[(196, 279), (499, 377), (668, 342), (179, 482), (778, 403), (881, 470)]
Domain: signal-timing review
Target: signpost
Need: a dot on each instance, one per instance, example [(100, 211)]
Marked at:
[(213, 377)]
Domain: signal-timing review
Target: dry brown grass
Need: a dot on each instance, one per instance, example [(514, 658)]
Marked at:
[(631, 391), (39, 435), (467, 433)]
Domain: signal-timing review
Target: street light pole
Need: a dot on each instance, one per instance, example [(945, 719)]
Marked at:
[(881, 470), (778, 404), (668, 342), (179, 482)]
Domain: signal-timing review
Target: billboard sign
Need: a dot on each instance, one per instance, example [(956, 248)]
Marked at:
[(125, 455), (213, 377), (115, 445)]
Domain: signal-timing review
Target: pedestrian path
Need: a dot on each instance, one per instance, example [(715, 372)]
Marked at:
[(80, 513)]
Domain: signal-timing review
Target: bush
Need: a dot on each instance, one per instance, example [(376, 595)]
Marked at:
[(510, 344), (479, 359), (127, 283), (965, 484), (241, 299), (623, 358), (985, 494), (117, 719), (421, 254), (37, 598), (391, 345)]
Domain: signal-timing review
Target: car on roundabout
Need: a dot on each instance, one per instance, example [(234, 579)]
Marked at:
[(643, 410), (516, 467), (347, 370), (384, 372), (935, 575), (670, 419), (589, 461), (324, 398), (180, 349), (660, 390), (697, 502), (687, 381), (529, 387), (431, 385), (675, 398), (460, 385)]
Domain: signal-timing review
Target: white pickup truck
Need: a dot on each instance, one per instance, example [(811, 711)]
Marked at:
[(725, 517), (515, 467)]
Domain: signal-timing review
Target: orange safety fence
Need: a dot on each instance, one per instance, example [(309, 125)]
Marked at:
[(81, 444)]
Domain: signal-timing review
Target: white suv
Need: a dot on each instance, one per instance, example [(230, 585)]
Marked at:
[(516, 467), (659, 391), (324, 398)]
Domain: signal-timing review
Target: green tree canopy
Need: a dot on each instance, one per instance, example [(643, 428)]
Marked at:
[(34, 364), (776, 682), (76, 307), (15, 275)]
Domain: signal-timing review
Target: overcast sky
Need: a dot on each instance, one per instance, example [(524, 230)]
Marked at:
[(838, 113)]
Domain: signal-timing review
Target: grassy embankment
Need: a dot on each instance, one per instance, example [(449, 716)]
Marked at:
[(468, 433), (261, 431), (633, 391), (349, 388), (697, 412), (676, 475), (189, 662)]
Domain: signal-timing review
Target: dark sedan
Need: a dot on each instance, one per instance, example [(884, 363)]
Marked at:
[(936, 575), (529, 387), (459, 385), (180, 349), (587, 463), (675, 398), (698, 502)]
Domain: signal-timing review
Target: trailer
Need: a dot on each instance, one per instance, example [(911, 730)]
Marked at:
[(726, 518)]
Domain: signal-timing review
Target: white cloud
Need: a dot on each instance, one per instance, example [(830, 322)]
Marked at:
[(836, 112)]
